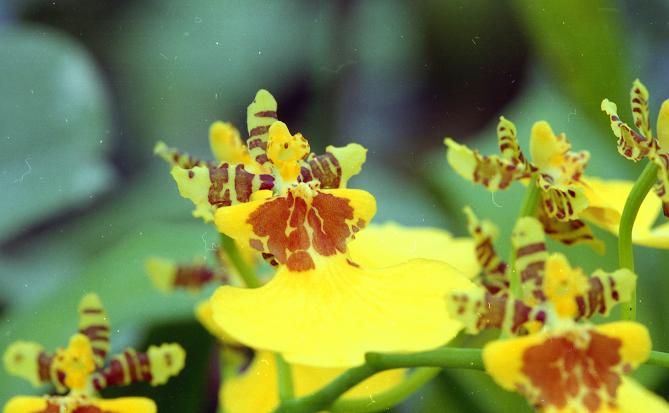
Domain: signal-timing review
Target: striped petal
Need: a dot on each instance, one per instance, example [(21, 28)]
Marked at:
[(493, 172), (260, 115), (631, 144), (94, 324), (334, 168), (212, 187), (639, 103), (570, 232), (529, 246), (28, 360), (494, 275)]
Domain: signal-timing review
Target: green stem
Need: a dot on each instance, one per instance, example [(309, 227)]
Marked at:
[(625, 251), (245, 271), (389, 398), (658, 358), (528, 207), (285, 378), (444, 357)]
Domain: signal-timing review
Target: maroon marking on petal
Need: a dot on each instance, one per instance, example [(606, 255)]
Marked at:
[(258, 130), (92, 310), (243, 183), (256, 244), (44, 365), (351, 263), (266, 114), (530, 249)]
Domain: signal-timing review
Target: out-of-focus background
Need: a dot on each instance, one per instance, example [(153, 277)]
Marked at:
[(87, 87)]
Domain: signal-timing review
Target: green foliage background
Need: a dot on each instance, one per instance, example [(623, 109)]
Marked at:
[(86, 88)]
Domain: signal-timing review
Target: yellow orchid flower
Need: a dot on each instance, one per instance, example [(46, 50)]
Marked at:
[(642, 144), (80, 371), (552, 290), (559, 176), (270, 157), (255, 388), (348, 309), (576, 368)]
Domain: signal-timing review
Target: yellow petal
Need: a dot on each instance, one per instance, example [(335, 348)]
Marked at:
[(663, 125), (606, 200), (401, 244), (255, 390), (546, 148), (633, 398), (162, 273), (285, 150), (205, 315), (226, 145), (126, 405), (25, 404), (21, 359), (166, 361), (302, 228), (350, 158), (346, 310), (562, 284)]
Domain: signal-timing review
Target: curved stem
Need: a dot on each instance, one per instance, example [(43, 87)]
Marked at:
[(285, 378), (444, 357), (245, 271), (625, 250), (389, 398), (658, 358), (528, 207)]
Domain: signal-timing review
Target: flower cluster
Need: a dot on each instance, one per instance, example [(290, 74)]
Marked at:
[(558, 360), (308, 293), (340, 284), (79, 371)]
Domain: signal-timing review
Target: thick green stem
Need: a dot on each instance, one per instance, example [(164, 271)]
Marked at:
[(625, 250), (375, 362), (658, 358), (389, 398), (528, 207), (247, 273), (285, 378)]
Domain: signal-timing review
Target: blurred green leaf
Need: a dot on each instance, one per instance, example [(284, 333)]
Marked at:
[(582, 43), (54, 127)]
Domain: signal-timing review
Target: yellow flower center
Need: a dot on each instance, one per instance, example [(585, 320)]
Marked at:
[(76, 362), (562, 284), (286, 150)]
